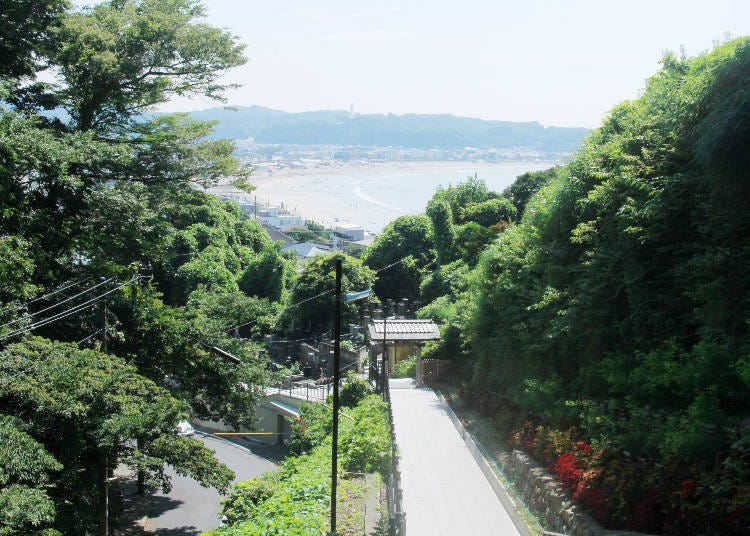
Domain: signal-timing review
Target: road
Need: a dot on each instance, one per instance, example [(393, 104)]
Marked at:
[(444, 490), (189, 509)]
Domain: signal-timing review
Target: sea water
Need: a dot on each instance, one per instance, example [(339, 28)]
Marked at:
[(374, 196), (381, 198)]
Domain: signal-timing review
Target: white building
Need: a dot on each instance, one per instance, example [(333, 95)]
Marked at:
[(350, 231), (280, 218)]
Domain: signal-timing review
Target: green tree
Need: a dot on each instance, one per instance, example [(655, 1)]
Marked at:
[(407, 240), (443, 229), (616, 304), (27, 27), (169, 346), (124, 56), (26, 472), (256, 316), (311, 302), (489, 213), (527, 185), (472, 238), (17, 266), (266, 276), (472, 191), (85, 407)]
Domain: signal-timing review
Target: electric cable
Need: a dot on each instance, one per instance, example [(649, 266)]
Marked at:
[(316, 296), (68, 312), (17, 307), (58, 303), (97, 332)]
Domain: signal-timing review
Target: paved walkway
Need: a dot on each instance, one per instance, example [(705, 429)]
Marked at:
[(444, 490)]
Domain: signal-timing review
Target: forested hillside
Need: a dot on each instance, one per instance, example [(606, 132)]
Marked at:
[(117, 273), (606, 327), (598, 311), (409, 130)]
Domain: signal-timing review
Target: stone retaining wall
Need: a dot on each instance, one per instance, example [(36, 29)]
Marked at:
[(540, 491)]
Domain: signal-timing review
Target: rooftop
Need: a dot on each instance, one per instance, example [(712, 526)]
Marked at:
[(404, 330)]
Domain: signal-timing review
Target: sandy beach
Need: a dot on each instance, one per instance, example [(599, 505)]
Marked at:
[(372, 194)]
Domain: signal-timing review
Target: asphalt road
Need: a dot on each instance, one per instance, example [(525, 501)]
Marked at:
[(190, 509)]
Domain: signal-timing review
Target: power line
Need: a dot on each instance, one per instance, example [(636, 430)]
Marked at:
[(316, 296), (97, 332), (17, 307), (58, 316), (392, 264), (58, 303), (66, 313), (5, 380)]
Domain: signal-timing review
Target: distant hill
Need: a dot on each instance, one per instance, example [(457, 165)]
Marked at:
[(410, 130)]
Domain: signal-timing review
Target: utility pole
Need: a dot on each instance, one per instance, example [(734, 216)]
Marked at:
[(383, 382), (336, 379)]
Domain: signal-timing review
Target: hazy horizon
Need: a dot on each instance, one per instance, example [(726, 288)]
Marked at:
[(559, 63)]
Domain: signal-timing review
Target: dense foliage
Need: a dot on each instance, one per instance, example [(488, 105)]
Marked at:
[(406, 246), (296, 500), (619, 304), (110, 252), (312, 299)]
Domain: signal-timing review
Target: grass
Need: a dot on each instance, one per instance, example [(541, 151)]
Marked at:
[(350, 510)]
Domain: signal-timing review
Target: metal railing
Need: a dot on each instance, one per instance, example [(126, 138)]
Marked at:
[(307, 389), (303, 390), (396, 514)]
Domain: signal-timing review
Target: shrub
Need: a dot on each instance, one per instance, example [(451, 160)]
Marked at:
[(354, 390), (366, 441), (246, 495), (406, 368), (296, 500), (312, 428)]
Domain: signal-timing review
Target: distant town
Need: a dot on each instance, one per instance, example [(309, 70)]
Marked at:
[(270, 157)]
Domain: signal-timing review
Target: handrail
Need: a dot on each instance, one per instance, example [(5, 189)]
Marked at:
[(396, 514)]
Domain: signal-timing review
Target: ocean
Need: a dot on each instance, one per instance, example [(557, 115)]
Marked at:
[(376, 195)]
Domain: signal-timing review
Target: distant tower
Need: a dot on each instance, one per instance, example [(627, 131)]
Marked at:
[(351, 110)]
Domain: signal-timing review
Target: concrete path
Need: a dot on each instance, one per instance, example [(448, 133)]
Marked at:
[(444, 490)]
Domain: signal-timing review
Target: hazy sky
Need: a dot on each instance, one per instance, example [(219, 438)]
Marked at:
[(559, 62)]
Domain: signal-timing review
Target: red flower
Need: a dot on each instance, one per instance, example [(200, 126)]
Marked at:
[(569, 471)]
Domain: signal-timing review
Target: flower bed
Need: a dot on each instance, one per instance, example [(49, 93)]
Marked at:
[(625, 492)]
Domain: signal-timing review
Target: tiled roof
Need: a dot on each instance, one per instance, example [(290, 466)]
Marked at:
[(412, 330)]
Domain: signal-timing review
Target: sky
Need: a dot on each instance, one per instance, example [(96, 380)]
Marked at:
[(558, 62)]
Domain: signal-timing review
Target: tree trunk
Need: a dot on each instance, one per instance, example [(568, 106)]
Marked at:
[(141, 478), (103, 506)]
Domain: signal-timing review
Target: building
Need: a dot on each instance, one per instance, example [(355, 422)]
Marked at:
[(401, 339), (307, 250), (280, 218), (350, 231)]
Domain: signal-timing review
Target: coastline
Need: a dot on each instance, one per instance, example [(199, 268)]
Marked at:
[(369, 194)]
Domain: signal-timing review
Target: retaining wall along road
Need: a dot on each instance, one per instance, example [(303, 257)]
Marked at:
[(537, 489)]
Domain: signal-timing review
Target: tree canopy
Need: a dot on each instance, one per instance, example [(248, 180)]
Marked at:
[(109, 252), (311, 301), (408, 241), (618, 303), (85, 407)]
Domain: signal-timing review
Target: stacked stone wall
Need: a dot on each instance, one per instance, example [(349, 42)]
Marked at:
[(535, 487)]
